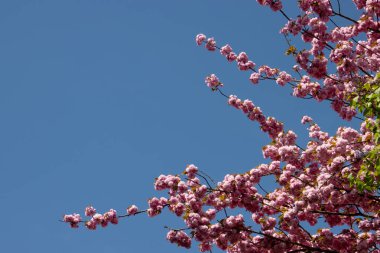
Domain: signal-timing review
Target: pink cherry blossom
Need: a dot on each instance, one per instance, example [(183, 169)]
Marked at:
[(312, 179), (90, 211), (200, 38), (132, 210), (212, 81)]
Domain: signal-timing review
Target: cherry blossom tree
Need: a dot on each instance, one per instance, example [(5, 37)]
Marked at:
[(332, 183)]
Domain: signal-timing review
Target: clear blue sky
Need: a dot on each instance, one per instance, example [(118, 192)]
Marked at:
[(97, 98)]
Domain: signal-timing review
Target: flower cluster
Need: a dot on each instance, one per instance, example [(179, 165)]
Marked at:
[(74, 219), (180, 238), (353, 50), (213, 82), (242, 60), (314, 186), (269, 125), (101, 219), (132, 210)]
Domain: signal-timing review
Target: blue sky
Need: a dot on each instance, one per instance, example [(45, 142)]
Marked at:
[(97, 98)]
